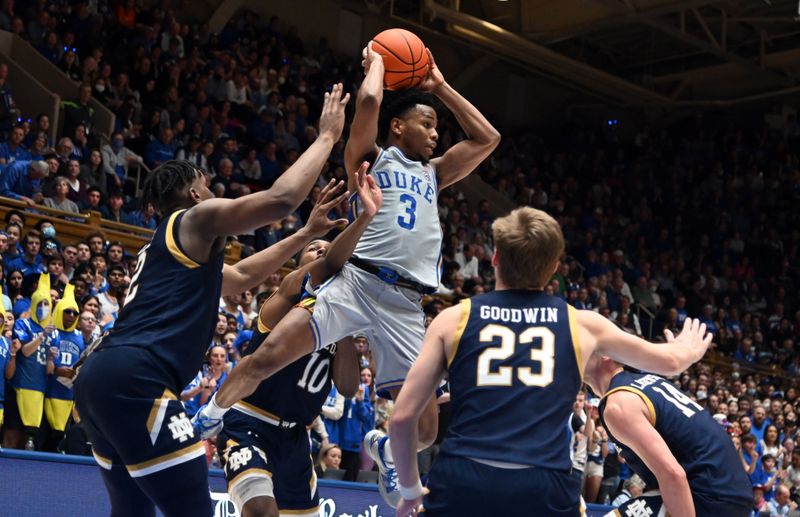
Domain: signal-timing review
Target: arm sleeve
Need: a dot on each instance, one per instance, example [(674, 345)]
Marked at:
[(336, 411)]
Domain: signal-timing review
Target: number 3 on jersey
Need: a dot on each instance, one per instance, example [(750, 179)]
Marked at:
[(504, 376), (408, 219)]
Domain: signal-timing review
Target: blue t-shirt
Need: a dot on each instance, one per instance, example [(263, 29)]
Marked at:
[(193, 404), (31, 371), (70, 349)]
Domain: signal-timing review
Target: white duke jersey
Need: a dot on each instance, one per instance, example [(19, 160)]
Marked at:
[(405, 235)]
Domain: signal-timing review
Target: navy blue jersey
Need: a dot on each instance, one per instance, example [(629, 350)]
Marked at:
[(172, 305), (295, 393), (699, 444), (514, 371)]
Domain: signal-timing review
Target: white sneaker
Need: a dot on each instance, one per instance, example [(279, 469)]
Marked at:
[(375, 444)]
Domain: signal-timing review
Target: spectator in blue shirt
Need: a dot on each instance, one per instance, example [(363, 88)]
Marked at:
[(160, 150), (22, 180), (30, 262), (13, 149), (113, 211)]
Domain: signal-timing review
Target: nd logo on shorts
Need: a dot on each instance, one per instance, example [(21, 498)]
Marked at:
[(243, 457), (181, 427)]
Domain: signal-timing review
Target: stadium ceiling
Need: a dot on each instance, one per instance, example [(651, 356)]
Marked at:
[(635, 52)]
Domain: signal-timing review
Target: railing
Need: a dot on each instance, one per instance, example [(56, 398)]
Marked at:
[(73, 227), (651, 320)]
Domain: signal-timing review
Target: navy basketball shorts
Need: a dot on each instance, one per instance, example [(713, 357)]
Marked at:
[(460, 486), (262, 459), (130, 416)]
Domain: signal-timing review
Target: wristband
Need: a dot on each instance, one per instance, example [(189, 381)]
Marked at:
[(412, 492), (213, 410)]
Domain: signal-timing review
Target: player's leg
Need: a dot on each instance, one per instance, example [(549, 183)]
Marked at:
[(398, 339), (247, 468), (122, 393), (294, 476), (181, 489), (127, 499), (339, 311), (291, 339)]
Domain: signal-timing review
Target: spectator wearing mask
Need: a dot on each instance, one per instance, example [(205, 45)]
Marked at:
[(39, 339), (22, 180), (160, 150), (117, 157)]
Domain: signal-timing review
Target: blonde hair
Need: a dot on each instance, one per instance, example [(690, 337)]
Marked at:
[(529, 243)]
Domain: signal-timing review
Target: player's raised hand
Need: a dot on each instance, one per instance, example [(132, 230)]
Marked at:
[(370, 57), (369, 194), (693, 336), (434, 79), (318, 222), (331, 121)]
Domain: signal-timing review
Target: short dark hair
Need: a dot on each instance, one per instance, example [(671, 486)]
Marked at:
[(11, 213), (748, 438), (396, 104), (164, 187)]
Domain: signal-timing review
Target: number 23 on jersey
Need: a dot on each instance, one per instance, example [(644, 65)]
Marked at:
[(541, 342)]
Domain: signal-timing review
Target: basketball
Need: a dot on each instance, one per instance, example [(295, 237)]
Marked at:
[(404, 57)]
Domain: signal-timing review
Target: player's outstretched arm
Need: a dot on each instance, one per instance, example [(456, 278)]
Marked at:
[(341, 249), (482, 138), (364, 129), (628, 419), (256, 268), (601, 335), (419, 387), (220, 217)]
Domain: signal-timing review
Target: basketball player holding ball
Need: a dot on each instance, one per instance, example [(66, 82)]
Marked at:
[(397, 259)]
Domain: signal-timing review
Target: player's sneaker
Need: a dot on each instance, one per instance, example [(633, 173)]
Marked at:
[(204, 425), (375, 445)]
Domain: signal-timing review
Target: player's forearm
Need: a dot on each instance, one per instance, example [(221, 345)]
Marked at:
[(676, 493), (242, 382), (472, 121), (233, 217), (404, 435), (342, 247), (371, 90), (258, 267)]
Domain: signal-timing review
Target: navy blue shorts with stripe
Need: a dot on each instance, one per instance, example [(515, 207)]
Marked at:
[(132, 414), (286, 458), (460, 486)]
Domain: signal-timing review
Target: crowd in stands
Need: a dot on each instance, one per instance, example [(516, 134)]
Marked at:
[(694, 220)]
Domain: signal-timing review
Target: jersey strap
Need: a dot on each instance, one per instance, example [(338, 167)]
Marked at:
[(650, 408), (173, 244)]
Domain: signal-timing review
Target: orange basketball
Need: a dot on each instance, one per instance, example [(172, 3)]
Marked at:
[(404, 57)]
